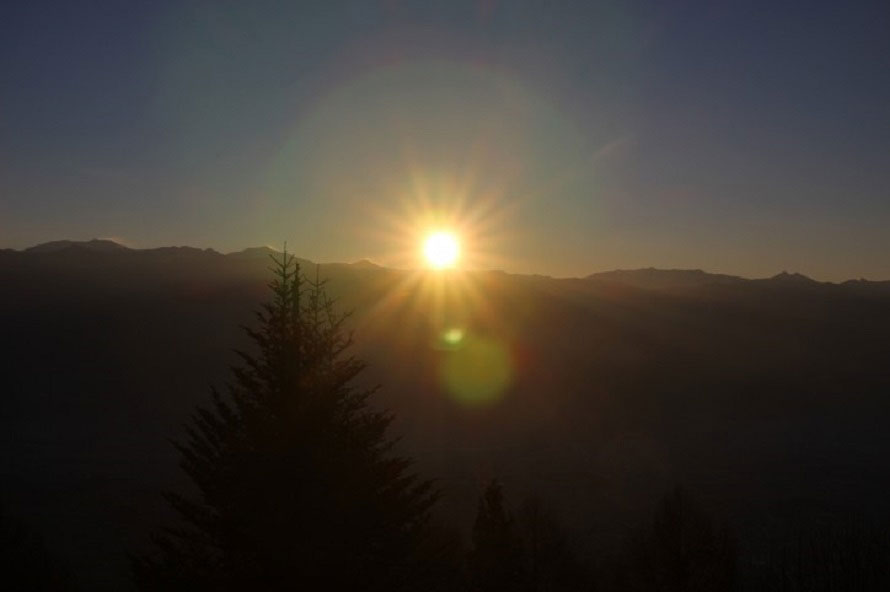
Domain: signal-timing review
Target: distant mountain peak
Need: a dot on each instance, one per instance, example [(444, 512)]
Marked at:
[(96, 245), (793, 277), (254, 252), (657, 279), (365, 264), (261, 254)]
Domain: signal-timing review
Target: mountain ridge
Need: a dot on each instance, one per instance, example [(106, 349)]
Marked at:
[(648, 278), (607, 384), (96, 245)]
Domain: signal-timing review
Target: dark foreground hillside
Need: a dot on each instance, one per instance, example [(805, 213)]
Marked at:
[(766, 398)]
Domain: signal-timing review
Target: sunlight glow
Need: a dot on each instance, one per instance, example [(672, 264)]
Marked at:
[(441, 250), (457, 227)]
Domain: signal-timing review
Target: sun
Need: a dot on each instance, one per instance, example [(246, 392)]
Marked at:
[(441, 250)]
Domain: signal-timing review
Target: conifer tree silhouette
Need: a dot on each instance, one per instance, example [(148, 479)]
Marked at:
[(682, 550), (297, 483), (551, 564), (495, 561), (25, 561)]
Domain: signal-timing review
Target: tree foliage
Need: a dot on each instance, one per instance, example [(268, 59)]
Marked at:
[(839, 556), (551, 564), (25, 561), (296, 479), (496, 559), (681, 550)]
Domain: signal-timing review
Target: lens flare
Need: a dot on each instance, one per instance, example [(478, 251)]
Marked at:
[(451, 338), (478, 373)]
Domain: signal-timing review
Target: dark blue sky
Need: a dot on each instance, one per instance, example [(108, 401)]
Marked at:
[(559, 137)]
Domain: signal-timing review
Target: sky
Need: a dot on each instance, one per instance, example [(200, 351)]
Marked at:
[(560, 138)]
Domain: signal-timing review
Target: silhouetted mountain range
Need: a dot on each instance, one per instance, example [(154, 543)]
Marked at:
[(659, 279), (100, 245), (767, 397), (648, 278)]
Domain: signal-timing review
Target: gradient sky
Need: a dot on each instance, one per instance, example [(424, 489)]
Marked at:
[(565, 138)]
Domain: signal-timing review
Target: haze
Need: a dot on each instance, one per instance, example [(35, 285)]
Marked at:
[(739, 138)]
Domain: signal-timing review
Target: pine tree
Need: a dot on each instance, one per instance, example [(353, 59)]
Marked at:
[(682, 550), (551, 564), (298, 485), (495, 562), (25, 561)]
